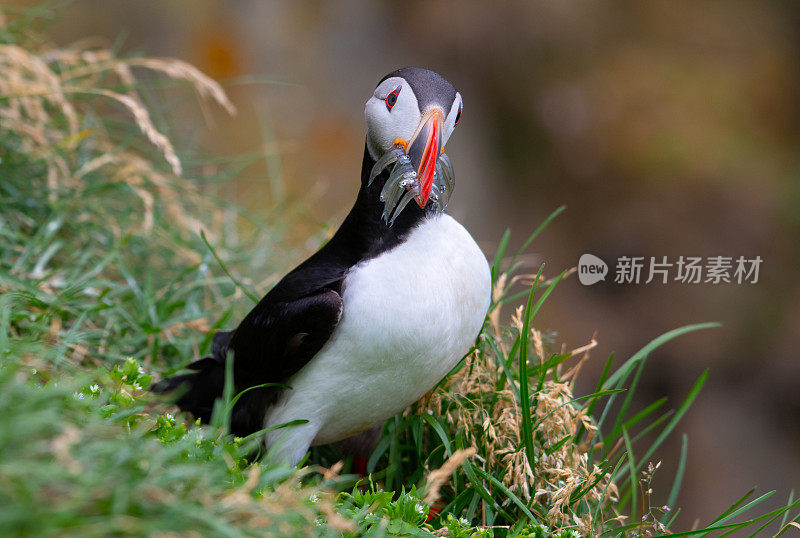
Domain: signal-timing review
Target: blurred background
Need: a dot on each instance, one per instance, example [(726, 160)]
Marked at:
[(667, 128)]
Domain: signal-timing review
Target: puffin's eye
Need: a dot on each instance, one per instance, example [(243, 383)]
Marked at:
[(391, 99), (458, 116)]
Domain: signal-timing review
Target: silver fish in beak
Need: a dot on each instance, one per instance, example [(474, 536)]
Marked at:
[(421, 171)]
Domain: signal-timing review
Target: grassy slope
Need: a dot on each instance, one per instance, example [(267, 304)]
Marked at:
[(105, 281)]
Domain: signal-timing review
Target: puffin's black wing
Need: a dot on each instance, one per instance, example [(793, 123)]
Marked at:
[(274, 341), (277, 339)]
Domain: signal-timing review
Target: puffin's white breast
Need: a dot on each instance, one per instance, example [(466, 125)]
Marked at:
[(409, 316)]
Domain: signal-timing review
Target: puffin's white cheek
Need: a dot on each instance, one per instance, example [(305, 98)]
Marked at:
[(370, 112), (379, 125)]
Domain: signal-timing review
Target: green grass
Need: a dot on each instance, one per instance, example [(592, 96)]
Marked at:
[(107, 280)]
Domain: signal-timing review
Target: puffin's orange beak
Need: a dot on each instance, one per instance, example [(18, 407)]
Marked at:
[(424, 149)]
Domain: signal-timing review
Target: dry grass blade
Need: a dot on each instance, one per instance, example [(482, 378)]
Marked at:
[(142, 118), (441, 475), (205, 85), (28, 79)]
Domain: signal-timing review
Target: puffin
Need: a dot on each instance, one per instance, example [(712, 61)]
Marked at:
[(376, 317)]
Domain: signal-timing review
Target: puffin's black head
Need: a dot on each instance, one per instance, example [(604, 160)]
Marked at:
[(410, 117)]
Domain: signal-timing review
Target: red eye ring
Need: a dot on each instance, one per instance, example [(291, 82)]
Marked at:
[(391, 99), (458, 115)]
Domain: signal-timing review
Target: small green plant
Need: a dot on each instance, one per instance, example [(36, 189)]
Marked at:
[(462, 528), (380, 513)]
